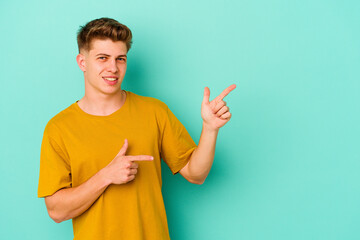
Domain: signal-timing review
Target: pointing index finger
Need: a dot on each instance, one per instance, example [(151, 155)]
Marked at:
[(140, 158), (225, 92)]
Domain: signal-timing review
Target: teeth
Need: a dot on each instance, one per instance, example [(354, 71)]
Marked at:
[(111, 79)]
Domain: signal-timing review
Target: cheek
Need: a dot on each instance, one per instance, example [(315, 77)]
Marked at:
[(93, 73), (96, 68), (123, 67)]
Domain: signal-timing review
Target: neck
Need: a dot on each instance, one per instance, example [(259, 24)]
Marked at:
[(102, 104)]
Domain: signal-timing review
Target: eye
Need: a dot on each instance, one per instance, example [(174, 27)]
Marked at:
[(101, 58), (122, 59)]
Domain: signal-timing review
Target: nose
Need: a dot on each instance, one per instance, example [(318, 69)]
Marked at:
[(112, 66)]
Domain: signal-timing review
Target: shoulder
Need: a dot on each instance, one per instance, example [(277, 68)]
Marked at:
[(64, 116), (149, 103)]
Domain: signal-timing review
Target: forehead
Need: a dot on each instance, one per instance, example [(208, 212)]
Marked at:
[(107, 46)]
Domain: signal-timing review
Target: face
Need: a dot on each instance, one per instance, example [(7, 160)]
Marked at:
[(104, 66)]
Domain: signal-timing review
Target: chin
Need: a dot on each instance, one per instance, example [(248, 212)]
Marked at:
[(112, 91)]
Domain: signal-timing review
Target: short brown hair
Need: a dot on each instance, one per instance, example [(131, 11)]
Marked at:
[(103, 28)]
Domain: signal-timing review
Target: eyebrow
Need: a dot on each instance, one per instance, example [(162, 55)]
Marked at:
[(104, 54)]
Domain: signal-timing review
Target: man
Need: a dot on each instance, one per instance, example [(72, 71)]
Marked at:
[(112, 194)]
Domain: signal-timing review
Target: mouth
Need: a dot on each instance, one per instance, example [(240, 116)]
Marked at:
[(111, 80)]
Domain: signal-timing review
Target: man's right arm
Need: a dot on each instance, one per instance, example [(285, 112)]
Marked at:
[(71, 202)]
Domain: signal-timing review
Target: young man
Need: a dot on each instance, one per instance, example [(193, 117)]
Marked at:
[(112, 194)]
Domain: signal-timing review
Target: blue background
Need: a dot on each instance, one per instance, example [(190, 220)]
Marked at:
[(287, 165)]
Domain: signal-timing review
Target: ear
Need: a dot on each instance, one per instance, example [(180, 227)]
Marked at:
[(80, 59)]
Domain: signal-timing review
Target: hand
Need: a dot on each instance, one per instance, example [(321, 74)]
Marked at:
[(215, 114), (122, 168)]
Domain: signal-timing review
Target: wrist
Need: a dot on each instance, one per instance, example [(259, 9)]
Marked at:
[(210, 129), (104, 179)]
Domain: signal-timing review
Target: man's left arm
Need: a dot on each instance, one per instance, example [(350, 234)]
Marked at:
[(215, 114)]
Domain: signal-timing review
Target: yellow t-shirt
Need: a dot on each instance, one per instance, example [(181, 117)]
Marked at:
[(76, 145)]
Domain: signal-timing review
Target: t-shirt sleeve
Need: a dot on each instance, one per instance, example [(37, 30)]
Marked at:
[(55, 171), (177, 144)]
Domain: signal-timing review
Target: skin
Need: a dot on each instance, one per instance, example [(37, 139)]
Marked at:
[(215, 114), (108, 59), (105, 58)]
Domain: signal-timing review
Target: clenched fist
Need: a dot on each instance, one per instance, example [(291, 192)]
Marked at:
[(122, 168)]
